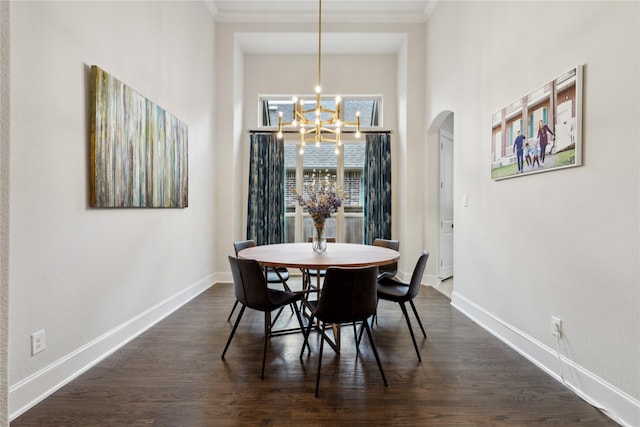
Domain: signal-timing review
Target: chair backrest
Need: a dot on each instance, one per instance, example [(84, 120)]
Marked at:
[(416, 277), (389, 269), (348, 294), (249, 283), (244, 244)]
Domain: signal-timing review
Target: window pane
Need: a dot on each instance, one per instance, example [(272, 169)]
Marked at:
[(319, 163), (369, 108), (272, 108)]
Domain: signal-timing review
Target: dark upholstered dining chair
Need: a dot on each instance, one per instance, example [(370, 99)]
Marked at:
[(348, 295), (274, 275), (392, 289), (389, 270), (251, 291)]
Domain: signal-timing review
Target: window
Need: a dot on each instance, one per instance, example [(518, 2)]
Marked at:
[(368, 106), (345, 169)]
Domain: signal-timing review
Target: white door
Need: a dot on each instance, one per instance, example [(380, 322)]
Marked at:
[(445, 250), (564, 126)]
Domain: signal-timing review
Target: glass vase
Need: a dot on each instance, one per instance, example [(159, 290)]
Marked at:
[(319, 242)]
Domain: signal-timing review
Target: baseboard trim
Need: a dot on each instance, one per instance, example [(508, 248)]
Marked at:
[(621, 407), (35, 388)]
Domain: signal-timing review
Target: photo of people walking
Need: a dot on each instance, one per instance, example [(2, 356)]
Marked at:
[(540, 131), (543, 138)]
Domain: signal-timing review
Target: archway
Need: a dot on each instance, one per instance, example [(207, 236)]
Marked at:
[(439, 199)]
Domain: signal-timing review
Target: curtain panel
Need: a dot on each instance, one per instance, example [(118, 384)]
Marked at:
[(377, 187), (265, 205)]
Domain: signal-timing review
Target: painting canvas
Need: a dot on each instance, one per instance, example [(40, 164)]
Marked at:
[(138, 151), (540, 131)]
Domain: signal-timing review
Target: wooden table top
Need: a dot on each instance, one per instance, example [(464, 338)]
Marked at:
[(301, 255)]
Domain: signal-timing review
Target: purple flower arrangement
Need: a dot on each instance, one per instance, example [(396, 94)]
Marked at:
[(321, 200)]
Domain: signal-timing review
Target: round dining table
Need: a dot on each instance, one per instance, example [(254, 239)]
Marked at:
[(301, 255)]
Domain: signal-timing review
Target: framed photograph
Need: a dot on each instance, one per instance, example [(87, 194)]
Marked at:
[(138, 151), (540, 132)]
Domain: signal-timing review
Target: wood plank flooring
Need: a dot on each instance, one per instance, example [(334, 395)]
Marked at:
[(173, 376)]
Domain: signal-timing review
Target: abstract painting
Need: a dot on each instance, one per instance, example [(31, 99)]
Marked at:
[(541, 131), (138, 151)]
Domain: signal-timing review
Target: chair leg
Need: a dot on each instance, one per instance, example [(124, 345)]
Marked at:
[(306, 336), (267, 332), (413, 306), (233, 331), (275, 319), (319, 364), (375, 315), (406, 316), (232, 310), (306, 342), (375, 353)]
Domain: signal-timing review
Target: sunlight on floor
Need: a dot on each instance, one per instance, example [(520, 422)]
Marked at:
[(445, 287)]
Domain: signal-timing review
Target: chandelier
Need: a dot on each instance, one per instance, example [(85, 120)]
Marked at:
[(318, 124)]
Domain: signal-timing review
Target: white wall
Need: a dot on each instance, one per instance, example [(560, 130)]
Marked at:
[(4, 212), (243, 76), (563, 243), (93, 277)]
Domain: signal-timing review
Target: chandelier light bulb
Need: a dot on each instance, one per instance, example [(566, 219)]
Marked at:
[(318, 90), (279, 135), (294, 123), (294, 99), (338, 99), (301, 151), (318, 144), (337, 151)]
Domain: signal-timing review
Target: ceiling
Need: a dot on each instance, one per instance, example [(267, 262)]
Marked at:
[(339, 11), (355, 11)]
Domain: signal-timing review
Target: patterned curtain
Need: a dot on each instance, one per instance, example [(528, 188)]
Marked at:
[(265, 211), (377, 187)]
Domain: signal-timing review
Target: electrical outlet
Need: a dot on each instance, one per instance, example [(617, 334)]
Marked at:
[(556, 327), (38, 342)]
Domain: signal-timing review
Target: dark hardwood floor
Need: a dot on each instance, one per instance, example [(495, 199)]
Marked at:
[(173, 375)]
